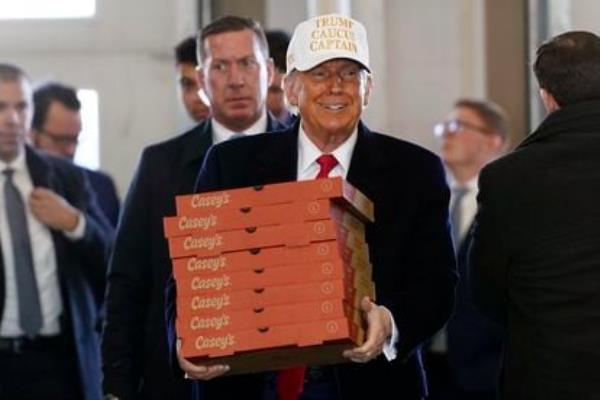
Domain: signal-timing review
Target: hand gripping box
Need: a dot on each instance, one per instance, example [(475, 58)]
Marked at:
[(299, 234), (336, 189), (311, 333), (214, 303), (245, 260), (229, 218)]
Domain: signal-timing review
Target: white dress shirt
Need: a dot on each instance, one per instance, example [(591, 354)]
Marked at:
[(468, 205), (44, 258), (221, 133), (308, 168)]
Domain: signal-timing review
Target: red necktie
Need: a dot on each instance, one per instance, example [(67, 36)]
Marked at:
[(327, 162), (290, 381)]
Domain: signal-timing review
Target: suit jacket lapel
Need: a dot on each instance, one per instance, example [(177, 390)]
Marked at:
[(366, 162), (40, 171), (278, 160)]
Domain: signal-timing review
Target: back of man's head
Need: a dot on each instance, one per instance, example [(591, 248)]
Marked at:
[(185, 51), (568, 67), (45, 95), (278, 44), (231, 23)]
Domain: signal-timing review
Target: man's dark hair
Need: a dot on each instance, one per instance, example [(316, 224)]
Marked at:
[(231, 23), (278, 44), (43, 97), (493, 115), (10, 72), (568, 67), (185, 51)]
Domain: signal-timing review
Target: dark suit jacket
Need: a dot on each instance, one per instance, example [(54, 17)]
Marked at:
[(106, 194), (474, 342), (535, 257), (134, 348), (81, 265), (410, 247)]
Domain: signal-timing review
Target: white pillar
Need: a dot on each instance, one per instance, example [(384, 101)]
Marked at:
[(319, 7), (371, 13)]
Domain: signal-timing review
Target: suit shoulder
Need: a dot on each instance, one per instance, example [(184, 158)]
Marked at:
[(252, 143), (402, 151), (176, 143)]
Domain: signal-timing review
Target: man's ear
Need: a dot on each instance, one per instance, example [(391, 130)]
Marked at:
[(270, 71), (549, 101), (368, 87), (290, 89)]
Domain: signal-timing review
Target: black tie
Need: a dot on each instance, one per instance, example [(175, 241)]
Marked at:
[(30, 313)]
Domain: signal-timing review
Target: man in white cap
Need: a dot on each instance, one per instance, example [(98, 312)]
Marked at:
[(328, 82)]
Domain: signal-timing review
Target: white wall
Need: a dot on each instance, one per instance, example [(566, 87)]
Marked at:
[(125, 53), (425, 54)]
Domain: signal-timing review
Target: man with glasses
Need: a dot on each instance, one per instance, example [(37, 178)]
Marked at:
[(329, 83), (463, 359), (55, 128), (235, 73)]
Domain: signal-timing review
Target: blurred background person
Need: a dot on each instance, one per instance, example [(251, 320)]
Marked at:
[(463, 361), (55, 128), (278, 44), (187, 80)]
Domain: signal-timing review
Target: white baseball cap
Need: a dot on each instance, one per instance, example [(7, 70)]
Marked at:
[(325, 38)]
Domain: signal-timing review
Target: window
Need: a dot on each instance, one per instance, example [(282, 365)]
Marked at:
[(88, 149), (47, 9)]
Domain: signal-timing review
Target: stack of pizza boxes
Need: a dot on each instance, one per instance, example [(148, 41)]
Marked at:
[(271, 276)]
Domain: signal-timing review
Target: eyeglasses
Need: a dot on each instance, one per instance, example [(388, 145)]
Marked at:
[(61, 139), (455, 126), (348, 74)]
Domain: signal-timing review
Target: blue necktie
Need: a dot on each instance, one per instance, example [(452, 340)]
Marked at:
[(30, 313)]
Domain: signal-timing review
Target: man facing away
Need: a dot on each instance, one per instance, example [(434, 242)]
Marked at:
[(535, 257), (53, 256), (55, 128), (410, 246), (463, 361), (235, 73)]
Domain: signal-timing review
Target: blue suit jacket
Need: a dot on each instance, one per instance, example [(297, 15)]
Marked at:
[(106, 194), (81, 265), (410, 247), (474, 342)]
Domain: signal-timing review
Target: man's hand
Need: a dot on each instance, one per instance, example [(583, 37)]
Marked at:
[(379, 329), (52, 210), (202, 372)]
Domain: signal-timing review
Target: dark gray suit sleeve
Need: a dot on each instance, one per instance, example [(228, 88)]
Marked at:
[(489, 257)]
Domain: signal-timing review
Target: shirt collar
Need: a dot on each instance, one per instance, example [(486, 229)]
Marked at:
[(221, 133), (470, 185), (18, 164), (308, 152)]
